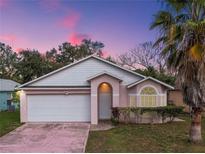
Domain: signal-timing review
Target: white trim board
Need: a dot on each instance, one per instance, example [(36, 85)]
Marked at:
[(148, 85), (103, 73), (29, 88), (150, 78)]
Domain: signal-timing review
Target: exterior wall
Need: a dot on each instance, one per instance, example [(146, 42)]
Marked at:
[(124, 92), (94, 94), (78, 74), (23, 106), (123, 96), (4, 96), (175, 97), (7, 85), (137, 89), (159, 88)]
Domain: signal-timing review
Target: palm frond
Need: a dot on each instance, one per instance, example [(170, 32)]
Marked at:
[(176, 5), (160, 40), (162, 19)]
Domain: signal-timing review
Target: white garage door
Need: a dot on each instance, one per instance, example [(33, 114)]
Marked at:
[(64, 108)]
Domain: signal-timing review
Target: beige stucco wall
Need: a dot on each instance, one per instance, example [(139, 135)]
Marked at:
[(23, 106), (124, 97), (114, 83)]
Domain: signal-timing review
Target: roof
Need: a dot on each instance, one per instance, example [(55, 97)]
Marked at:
[(77, 62), (8, 85), (104, 73), (150, 78)]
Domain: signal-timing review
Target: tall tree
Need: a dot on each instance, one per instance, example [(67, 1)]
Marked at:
[(8, 60), (162, 76), (30, 65), (69, 53), (182, 33), (50, 59), (143, 55), (92, 47)]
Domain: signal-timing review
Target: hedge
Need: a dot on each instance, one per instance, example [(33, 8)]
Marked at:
[(165, 112)]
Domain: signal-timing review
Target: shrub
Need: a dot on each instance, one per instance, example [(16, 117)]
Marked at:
[(115, 116), (165, 112)]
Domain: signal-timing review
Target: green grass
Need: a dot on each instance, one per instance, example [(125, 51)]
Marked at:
[(9, 121), (170, 137)]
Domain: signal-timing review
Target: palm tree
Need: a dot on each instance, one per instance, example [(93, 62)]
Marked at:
[(182, 34)]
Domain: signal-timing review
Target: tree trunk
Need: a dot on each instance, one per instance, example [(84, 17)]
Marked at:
[(195, 130)]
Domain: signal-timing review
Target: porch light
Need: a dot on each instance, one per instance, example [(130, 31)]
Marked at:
[(104, 87)]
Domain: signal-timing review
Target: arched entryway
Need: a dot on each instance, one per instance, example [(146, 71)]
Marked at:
[(104, 101)]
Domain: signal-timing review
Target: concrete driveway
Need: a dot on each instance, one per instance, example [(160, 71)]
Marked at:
[(50, 137)]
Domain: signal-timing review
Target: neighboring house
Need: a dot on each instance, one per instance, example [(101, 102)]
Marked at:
[(6, 89), (86, 90), (175, 97)]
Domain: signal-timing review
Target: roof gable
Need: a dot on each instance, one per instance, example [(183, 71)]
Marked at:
[(150, 78), (89, 66), (104, 73), (8, 85)]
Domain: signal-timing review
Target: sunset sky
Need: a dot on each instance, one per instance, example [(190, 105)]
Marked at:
[(44, 24)]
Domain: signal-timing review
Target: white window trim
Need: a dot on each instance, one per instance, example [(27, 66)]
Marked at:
[(148, 85)]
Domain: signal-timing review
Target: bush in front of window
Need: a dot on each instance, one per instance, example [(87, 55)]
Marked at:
[(165, 112)]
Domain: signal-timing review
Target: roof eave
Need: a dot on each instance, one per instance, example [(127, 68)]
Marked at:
[(67, 66), (103, 73), (155, 80)]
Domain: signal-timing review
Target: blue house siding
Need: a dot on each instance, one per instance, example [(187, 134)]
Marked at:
[(4, 96)]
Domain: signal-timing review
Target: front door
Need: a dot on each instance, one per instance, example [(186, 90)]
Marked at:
[(105, 101)]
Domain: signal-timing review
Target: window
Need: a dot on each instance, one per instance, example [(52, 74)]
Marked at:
[(148, 91), (148, 97), (132, 100)]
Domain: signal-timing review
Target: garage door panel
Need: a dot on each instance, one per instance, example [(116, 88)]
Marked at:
[(58, 108)]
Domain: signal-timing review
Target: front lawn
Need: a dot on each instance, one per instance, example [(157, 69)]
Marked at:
[(170, 137), (9, 121)]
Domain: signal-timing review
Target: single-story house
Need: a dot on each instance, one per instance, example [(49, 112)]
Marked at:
[(86, 90), (6, 89)]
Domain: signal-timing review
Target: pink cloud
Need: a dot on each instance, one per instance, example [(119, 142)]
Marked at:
[(8, 38), (18, 50), (70, 21), (50, 5), (106, 53), (76, 38)]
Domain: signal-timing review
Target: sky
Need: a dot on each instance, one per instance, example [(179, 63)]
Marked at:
[(45, 24)]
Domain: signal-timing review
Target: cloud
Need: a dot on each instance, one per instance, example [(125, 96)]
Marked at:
[(76, 38), (50, 5), (70, 21), (8, 38), (17, 50), (106, 53)]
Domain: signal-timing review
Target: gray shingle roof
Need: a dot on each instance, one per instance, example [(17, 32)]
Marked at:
[(8, 85)]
